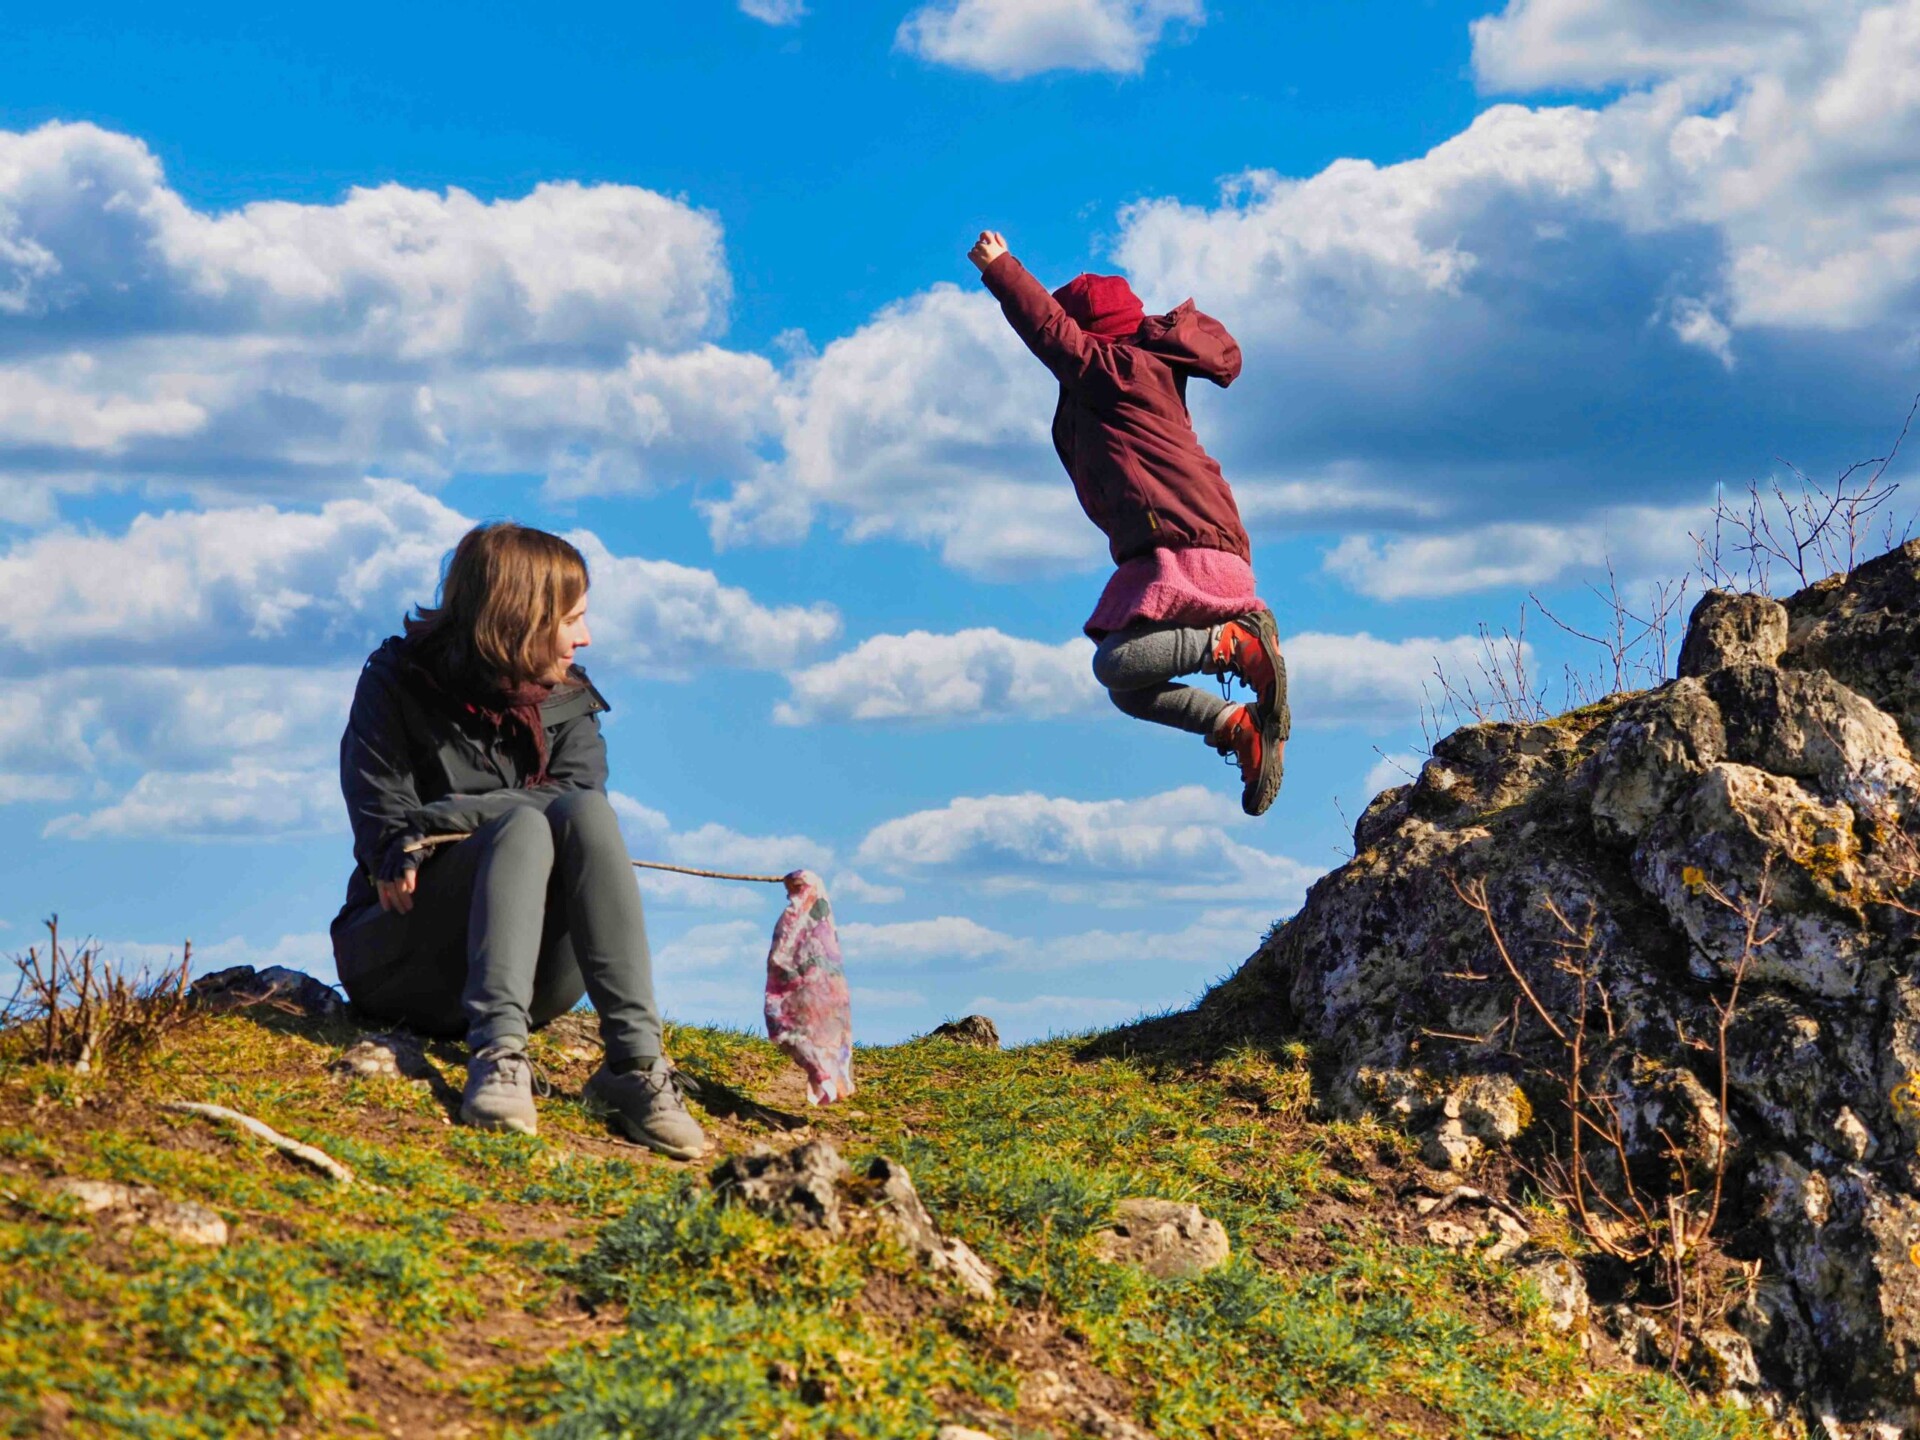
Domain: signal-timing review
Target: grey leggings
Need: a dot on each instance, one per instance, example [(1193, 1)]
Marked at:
[(509, 928), (1137, 664)]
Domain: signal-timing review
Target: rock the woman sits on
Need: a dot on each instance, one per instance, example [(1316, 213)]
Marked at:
[(476, 721)]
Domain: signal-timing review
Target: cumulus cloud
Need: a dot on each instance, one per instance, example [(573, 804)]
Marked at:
[(982, 675), (1177, 845), (1013, 39), (1639, 541), (279, 346), (652, 836), (972, 675), (242, 801), (928, 424), (1537, 44), (260, 582), (1215, 939)]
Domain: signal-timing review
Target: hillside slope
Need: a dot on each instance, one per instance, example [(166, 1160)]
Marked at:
[(470, 1284)]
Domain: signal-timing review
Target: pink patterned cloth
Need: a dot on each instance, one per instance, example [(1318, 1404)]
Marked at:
[(809, 1013), (1167, 586)]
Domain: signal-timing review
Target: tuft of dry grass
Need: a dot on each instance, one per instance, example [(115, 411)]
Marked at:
[(73, 1007)]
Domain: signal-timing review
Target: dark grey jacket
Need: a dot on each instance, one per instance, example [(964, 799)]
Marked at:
[(415, 762)]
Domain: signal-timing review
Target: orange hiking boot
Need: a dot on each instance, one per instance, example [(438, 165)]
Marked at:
[(1249, 648), (1240, 735)]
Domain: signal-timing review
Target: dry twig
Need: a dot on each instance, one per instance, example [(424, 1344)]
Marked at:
[(318, 1159)]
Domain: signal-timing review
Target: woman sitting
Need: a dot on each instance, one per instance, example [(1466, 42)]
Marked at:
[(477, 722)]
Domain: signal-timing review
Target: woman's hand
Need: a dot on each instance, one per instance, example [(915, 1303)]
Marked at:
[(397, 894), (988, 248)]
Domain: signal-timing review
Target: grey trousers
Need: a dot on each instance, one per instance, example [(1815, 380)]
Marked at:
[(1137, 664), (509, 928)]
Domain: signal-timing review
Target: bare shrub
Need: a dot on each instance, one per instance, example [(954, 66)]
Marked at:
[(1805, 532), (1591, 1173), (79, 1009), (1499, 686)]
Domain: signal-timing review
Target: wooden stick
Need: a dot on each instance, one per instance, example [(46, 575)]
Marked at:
[(319, 1159), (430, 841)]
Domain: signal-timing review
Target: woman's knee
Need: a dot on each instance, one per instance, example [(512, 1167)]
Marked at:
[(521, 832), (585, 815)]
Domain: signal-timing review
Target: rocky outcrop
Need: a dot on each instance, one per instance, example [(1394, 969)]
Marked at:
[(1626, 848)]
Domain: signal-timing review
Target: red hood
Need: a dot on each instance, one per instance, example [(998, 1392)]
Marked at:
[(1192, 340)]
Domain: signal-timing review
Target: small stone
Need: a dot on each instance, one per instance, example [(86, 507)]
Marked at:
[(186, 1221), (1448, 1147), (801, 1187), (960, 1432), (1563, 1288), (1491, 1108), (1722, 1362), (1165, 1238), (1730, 629), (183, 1220), (1851, 1137), (1469, 1219), (95, 1196), (391, 1057), (901, 1210), (972, 1030)]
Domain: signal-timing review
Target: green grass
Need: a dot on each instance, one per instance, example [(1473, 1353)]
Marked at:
[(568, 1287)]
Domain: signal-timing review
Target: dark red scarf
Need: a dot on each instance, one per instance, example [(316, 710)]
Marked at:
[(500, 705), (520, 705)]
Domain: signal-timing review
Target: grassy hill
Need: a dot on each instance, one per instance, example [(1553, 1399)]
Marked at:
[(474, 1284)]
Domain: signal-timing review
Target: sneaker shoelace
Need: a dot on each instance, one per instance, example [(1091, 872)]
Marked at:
[(537, 1078)]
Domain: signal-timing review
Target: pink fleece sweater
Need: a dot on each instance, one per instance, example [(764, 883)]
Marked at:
[(1169, 586)]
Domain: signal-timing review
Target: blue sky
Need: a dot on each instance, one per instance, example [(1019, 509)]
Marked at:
[(287, 300)]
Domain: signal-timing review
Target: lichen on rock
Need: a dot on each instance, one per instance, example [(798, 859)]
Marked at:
[(1754, 820)]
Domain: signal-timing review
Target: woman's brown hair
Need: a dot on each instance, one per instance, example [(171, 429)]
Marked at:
[(503, 593)]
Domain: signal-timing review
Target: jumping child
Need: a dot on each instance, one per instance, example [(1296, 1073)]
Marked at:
[(1182, 599)]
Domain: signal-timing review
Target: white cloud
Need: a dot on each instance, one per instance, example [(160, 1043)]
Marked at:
[(972, 675), (1012, 39), (929, 424), (669, 618), (1538, 44), (1176, 845), (946, 937), (240, 801), (279, 346), (1040, 1016), (774, 12), (979, 675), (651, 836), (1642, 540), (1392, 771), (258, 582)]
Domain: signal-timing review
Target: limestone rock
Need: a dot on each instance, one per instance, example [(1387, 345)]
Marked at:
[(1165, 1238), (187, 1221), (1728, 629), (1469, 1219), (960, 1432), (901, 1211), (277, 987), (1622, 848), (394, 1056), (1563, 1289), (970, 1030), (801, 1187), (1047, 1390)]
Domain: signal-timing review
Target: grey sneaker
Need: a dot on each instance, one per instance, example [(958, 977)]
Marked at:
[(499, 1093), (645, 1106)]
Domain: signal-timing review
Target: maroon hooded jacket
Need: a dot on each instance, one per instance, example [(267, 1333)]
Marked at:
[(1122, 427)]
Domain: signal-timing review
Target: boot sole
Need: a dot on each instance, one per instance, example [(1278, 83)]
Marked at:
[(659, 1147), (1275, 720), (617, 1120), (500, 1126)]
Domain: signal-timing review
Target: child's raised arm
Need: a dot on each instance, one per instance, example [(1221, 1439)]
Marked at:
[(1036, 317)]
